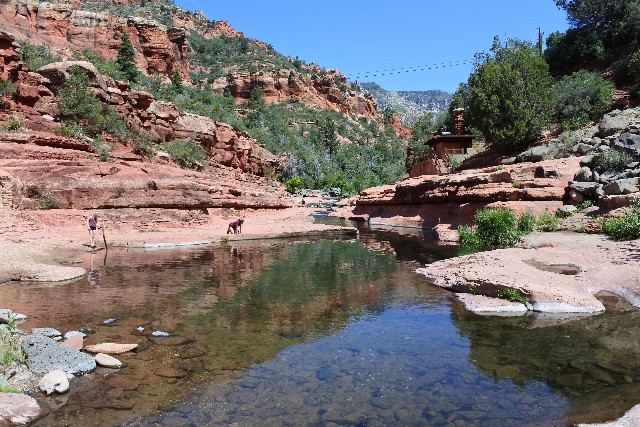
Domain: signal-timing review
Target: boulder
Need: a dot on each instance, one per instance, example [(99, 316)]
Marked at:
[(583, 175), (47, 332), (628, 143), (581, 148), (57, 73), (534, 154), (612, 123), (584, 188), (54, 381), (18, 408), (45, 355), (622, 186), (75, 342)]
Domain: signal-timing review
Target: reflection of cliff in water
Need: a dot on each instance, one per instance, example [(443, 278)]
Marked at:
[(408, 244), (593, 361), (309, 289)]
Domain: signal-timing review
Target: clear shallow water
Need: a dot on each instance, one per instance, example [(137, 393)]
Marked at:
[(324, 333)]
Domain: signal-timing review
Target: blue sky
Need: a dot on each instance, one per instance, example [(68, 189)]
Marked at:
[(399, 42)]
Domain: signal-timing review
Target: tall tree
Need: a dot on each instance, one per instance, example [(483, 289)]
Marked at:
[(126, 59), (511, 94)]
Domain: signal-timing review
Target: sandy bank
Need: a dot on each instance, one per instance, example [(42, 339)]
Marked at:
[(43, 245)]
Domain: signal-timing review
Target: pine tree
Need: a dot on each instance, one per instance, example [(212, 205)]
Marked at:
[(176, 82), (126, 59)]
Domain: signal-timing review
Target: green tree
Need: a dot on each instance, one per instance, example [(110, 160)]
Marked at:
[(78, 104), (256, 101), (511, 94), (176, 82), (325, 134), (126, 59)]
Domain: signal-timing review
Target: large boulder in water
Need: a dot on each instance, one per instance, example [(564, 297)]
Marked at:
[(46, 355)]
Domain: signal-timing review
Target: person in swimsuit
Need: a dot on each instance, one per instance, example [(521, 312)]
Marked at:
[(235, 227), (92, 224)]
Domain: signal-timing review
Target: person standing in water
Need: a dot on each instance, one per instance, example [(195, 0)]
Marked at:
[(92, 224)]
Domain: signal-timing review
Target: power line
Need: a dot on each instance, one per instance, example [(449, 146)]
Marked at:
[(409, 69)]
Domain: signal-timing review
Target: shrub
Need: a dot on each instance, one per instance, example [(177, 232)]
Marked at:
[(36, 56), (78, 104), (467, 236), (626, 227), (527, 223), (186, 153), (452, 161), (613, 160), (114, 124), (512, 294), (547, 222), (102, 149), (6, 88), (70, 130), (14, 124), (294, 184), (10, 344), (144, 146), (582, 97), (496, 227), (45, 201), (511, 95)]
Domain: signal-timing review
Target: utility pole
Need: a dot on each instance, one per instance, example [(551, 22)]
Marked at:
[(540, 41)]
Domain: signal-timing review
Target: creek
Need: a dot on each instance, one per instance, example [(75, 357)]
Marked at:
[(320, 332)]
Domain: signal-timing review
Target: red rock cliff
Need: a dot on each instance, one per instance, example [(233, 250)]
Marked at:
[(66, 29)]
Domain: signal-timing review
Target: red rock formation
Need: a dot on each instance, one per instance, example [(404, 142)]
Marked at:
[(66, 29), (330, 90), (430, 201), (35, 100)]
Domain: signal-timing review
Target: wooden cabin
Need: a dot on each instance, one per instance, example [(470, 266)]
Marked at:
[(439, 147)]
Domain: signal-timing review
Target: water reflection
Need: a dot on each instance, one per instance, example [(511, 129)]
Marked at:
[(594, 359), (321, 332)]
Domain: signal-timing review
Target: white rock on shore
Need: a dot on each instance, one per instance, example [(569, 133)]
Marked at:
[(54, 381)]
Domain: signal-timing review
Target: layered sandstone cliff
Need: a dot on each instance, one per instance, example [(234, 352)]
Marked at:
[(35, 162), (66, 29), (445, 201)]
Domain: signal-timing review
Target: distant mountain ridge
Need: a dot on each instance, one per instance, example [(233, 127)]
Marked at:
[(409, 104)]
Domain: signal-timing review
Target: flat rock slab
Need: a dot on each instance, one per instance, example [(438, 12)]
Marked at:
[(110, 348), (481, 304), (18, 408), (46, 355), (75, 342), (557, 272)]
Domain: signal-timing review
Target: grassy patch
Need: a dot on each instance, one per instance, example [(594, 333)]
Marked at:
[(10, 343), (625, 227)]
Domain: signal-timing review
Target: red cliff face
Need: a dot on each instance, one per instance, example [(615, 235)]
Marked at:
[(328, 90), (66, 29), (35, 100)]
